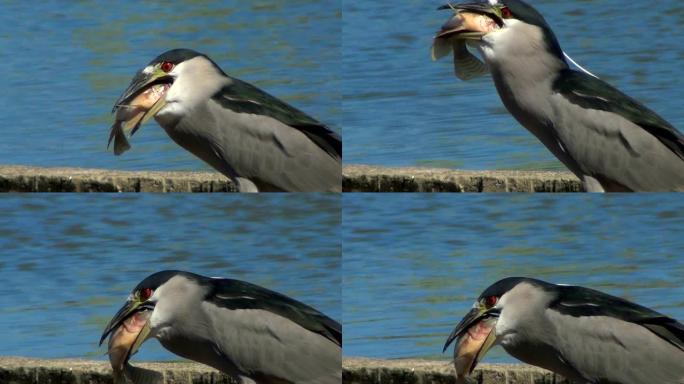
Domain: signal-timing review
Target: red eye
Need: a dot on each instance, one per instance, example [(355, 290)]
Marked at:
[(506, 13), (491, 301), (167, 66), (146, 293)]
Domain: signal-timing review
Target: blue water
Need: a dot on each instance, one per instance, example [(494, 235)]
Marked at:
[(359, 65), (414, 264), (65, 63), (401, 109), (67, 263)]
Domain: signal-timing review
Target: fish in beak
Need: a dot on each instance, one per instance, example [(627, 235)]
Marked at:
[(484, 8), (468, 24), (476, 335), (127, 330), (143, 98)]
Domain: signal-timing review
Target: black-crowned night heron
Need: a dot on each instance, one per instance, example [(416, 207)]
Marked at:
[(585, 335), (609, 140), (258, 141), (251, 333)]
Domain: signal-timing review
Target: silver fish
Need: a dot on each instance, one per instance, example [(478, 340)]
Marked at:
[(468, 350), (453, 37), (130, 117), (119, 349)]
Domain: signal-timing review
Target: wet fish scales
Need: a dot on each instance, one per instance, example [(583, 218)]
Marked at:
[(468, 347), (121, 341), (466, 65), (128, 117)]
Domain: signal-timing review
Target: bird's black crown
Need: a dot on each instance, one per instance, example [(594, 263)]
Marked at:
[(526, 13), (176, 56)]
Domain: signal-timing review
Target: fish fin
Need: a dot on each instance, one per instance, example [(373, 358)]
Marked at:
[(440, 48), (133, 124), (137, 375), (121, 144), (109, 143), (466, 65)]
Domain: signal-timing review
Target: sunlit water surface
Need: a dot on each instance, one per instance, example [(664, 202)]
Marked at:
[(414, 264), (65, 63), (401, 109), (67, 263)]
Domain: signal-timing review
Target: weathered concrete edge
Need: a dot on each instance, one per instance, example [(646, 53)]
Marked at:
[(364, 178), (37, 179), (22, 370), (403, 371), (356, 178)]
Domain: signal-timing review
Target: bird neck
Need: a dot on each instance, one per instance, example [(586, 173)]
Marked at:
[(521, 71), (523, 67), (523, 53)]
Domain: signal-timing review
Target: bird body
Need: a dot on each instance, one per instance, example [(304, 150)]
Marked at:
[(585, 335), (246, 341), (260, 142), (609, 140), (582, 339), (604, 149), (251, 333), (590, 347), (293, 161)]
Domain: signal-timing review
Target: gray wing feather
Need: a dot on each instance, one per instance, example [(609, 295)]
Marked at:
[(272, 155), (580, 301), (243, 97), (236, 294), (590, 92)]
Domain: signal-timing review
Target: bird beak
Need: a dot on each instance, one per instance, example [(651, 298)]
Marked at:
[(132, 307), (471, 30), (482, 8), (476, 334), (142, 81), (144, 98)]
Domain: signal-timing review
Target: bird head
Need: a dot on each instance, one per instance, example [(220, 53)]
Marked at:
[(503, 21), (178, 76), (165, 69), (477, 331), (172, 84), (130, 327)]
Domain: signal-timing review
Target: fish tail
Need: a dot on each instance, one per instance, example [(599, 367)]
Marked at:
[(121, 143)]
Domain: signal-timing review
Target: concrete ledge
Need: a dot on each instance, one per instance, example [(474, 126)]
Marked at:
[(35, 179), (356, 178), (362, 178), (369, 371), (21, 370), (18, 370)]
